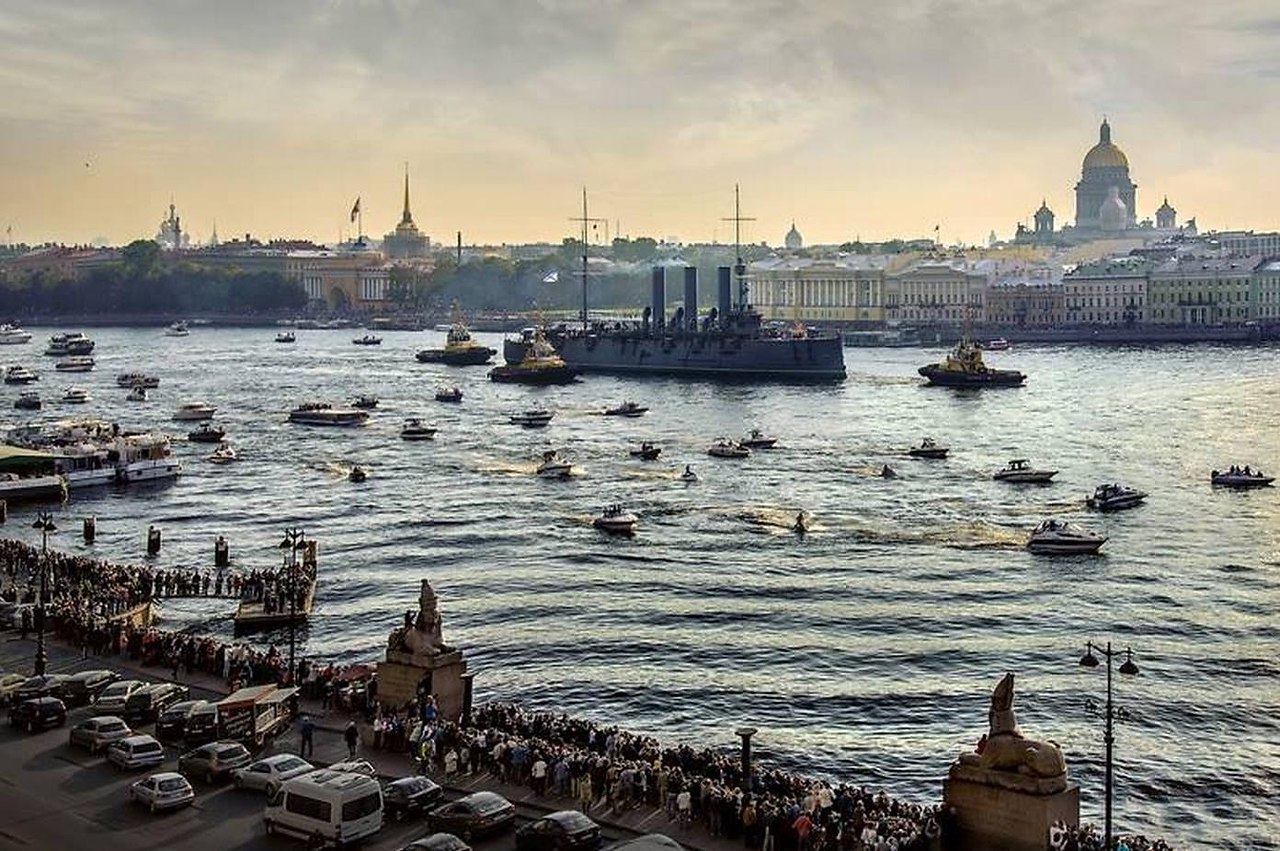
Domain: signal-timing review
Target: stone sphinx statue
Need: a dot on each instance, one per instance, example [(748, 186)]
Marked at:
[(1010, 759), (422, 637)]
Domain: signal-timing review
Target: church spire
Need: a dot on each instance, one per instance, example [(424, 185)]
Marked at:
[(1104, 133), (407, 217)]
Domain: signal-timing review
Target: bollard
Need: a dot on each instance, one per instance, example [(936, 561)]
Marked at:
[(90, 529), (221, 553), (153, 541), (4, 511)]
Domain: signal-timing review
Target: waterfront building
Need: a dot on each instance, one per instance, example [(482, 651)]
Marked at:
[(56, 263), (1264, 297), (1024, 301), (1246, 242), (937, 291), (406, 240), (352, 280), (1109, 291), (846, 289), (1202, 290)]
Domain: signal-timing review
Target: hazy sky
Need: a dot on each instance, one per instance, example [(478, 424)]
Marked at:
[(855, 118)]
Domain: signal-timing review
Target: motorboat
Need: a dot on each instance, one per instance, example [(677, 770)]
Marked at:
[(12, 335), (963, 367), (615, 521), (928, 449), (75, 395), (1057, 537), (137, 379), (723, 447), (449, 394), (758, 440), (73, 343), (86, 465), (224, 454), (646, 452), (145, 457), (357, 474), (365, 403), (413, 429), (1240, 478), (207, 433), (688, 476), (999, 344), (1020, 471), (553, 466), (20, 375), (459, 349), (75, 363), (177, 329), (137, 393), (626, 409), (28, 400), (286, 337), (1114, 497), (324, 414), (532, 418), (191, 411), (368, 340), (540, 366)]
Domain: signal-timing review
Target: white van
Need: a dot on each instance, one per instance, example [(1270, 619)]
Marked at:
[(340, 806)]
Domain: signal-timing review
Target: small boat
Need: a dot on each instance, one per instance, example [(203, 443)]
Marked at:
[(688, 476), (177, 329), (757, 440), (928, 449), (28, 400), (963, 367), (137, 379), (286, 337), (365, 403), (75, 363), (1020, 471), (368, 340), (357, 474), (1114, 497), (1056, 537), (646, 452), (224, 454), (191, 411), (12, 335), (1240, 478), (413, 429), (324, 414), (553, 466), (207, 433), (999, 344), (723, 447), (137, 393), (615, 521), (20, 375), (532, 418), (449, 394), (75, 395), (626, 409)]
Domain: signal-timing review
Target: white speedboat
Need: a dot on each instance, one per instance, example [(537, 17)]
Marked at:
[(1240, 478), (1114, 497), (75, 363), (532, 418), (19, 375), (615, 521), (1056, 537), (324, 414), (626, 409), (177, 329), (449, 394), (758, 440), (145, 457), (75, 395), (286, 337), (1020, 471), (688, 476), (28, 400), (137, 393), (413, 429), (12, 335), (224, 454), (553, 466), (192, 411), (726, 448), (85, 465), (137, 379)]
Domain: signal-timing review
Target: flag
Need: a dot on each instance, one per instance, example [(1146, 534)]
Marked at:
[(551, 277), (355, 209)]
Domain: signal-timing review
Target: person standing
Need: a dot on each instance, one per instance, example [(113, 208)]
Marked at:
[(352, 737), (308, 731)]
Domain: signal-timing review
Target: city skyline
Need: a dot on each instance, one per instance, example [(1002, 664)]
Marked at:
[(851, 119)]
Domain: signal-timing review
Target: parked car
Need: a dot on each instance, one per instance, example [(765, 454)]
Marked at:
[(9, 685), (139, 751), (437, 842), (268, 773), (83, 688), (148, 702), (94, 734), (566, 830), (202, 724), (410, 796), (111, 700), (215, 760), (48, 685), (171, 724), (38, 713), (476, 814), (162, 791)]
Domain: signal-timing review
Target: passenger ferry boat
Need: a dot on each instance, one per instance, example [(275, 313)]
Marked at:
[(86, 465), (72, 343), (12, 335), (145, 458), (324, 414), (963, 367), (532, 418)]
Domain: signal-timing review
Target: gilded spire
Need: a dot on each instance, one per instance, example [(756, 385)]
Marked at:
[(407, 217)]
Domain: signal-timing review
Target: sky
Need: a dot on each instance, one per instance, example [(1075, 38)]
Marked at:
[(854, 118)]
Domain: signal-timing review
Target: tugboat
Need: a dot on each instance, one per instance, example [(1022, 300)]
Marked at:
[(1241, 478), (723, 447), (615, 521), (368, 340), (963, 367), (1114, 497), (414, 430), (626, 409), (1055, 537), (459, 349), (757, 440), (532, 418), (28, 400), (1020, 471), (207, 433), (449, 394), (928, 449), (541, 365), (646, 452), (553, 466)]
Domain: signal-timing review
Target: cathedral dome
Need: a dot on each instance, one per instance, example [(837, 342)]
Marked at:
[(1105, 154), (793, 239), (1113, 215)]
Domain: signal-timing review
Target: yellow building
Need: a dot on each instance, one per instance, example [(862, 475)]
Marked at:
[(845, 289), (357, 280), (1113, 291), (937, 291)]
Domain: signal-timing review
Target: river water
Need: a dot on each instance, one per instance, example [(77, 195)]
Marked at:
[(866, 650)]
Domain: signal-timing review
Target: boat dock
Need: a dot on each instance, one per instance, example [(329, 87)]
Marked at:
[(275, 608)]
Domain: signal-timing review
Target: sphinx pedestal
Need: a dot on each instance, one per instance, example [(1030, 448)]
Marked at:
[(996, 818), (400, 675)]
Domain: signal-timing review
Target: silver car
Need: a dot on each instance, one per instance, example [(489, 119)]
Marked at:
[(268, 773), (162, 791), (111, 700), (136, 752), (94, 734)]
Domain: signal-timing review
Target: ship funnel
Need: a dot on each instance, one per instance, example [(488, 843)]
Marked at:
[(659, 298), (691, 297), (724, 285)]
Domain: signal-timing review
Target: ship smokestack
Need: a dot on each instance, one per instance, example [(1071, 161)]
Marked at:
[(691, 297), (659, 298), (724, 283)]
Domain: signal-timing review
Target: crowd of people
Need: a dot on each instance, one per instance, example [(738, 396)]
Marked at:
[(1087, 837)]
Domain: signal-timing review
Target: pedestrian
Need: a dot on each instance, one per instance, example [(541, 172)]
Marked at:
[(352, 736), (308, 729), (585, 794)]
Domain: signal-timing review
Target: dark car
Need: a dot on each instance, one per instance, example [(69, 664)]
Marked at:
[(49, 685), (171, 723), (476, 814), (437, 842), (214, 761), (409, 796), (202, 724), (82, 688), (567, 830), (38, 713), (147, 703)]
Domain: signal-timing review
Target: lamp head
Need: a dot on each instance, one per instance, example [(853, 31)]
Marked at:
[(1088, 660), (1128, 668)]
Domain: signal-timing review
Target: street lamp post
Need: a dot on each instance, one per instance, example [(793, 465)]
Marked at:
[(293, 539), (1110, 713), (44, 522)]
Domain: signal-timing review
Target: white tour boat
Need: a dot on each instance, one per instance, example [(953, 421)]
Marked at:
[(73, 343), (12, 335), (1057, 537), (532, 418), (192, 411), (85, 465), (19, 375), (146, 457)]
